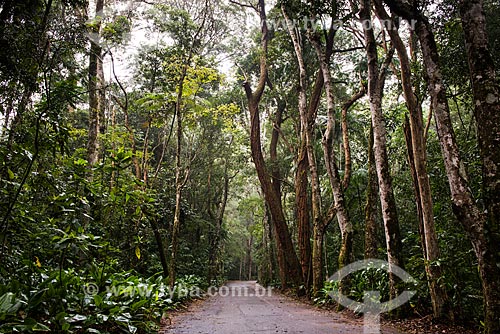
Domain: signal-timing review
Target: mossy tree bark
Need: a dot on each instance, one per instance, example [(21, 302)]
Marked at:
[(464, 205), (418, 160), (290, 269), (486, 93), (376, 81)]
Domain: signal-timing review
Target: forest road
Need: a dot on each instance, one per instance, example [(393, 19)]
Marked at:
[(242, 307)]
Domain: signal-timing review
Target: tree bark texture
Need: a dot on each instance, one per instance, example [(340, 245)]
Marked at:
[(486, 93), (345, 135), (290, 269), (179, 180), (96, 86), (387, 201), (346, 228), (301, 176), (213, 258), (418, 160), (463, 203), (371, 207)]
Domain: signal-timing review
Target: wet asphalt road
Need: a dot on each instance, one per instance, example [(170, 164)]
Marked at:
[(242, 307)]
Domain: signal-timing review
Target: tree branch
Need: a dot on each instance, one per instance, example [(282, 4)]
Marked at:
[(247, 5)]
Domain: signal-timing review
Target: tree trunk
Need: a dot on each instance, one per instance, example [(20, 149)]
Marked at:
[(272, 256), (302, 213), (317, 216), (345, 135), (159, 243), (213, 261), (416, 189), (241, 269), (340, 186), (273, 147), (418, 159), (486, 92), (317, 259), (388, 203), (371, 208), (463, 203), (306, 161), (290, 270), (96, 86), (301, 179), (320, 224), (180, 181), (249, 257)]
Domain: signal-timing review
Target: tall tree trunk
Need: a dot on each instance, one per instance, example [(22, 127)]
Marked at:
[(301, 179), (345, 134), (486, 92), (371, 207), (96, 86), (340, 186), (463, 203), (302, 214), (180, 180), (272, 256), (273, 148), (417, 143), (346, 228), (375, 92), (319, 221), (416, 189), (290, 270), (213, 264), (306, 160)]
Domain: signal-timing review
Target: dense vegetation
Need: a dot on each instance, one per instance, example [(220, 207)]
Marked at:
[(151, 149)]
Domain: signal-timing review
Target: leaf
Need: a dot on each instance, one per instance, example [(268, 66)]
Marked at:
[(121, 318), (81, 162), (98, 300), (37, 262), (11, 174), (9, 304), (135, 306), (138, 252), (76, 318), (30, 324), (101, 318), (40, 327), (37, 298)]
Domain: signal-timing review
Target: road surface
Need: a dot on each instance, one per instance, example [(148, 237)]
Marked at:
[(243, 307)]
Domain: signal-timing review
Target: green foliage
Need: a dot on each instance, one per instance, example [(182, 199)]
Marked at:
[(359, 283), (69, 301), (116, 31)]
